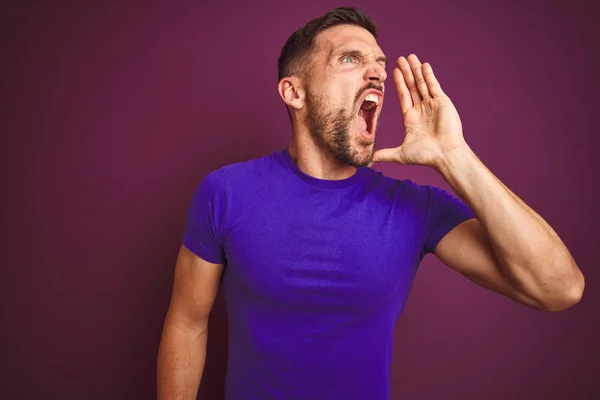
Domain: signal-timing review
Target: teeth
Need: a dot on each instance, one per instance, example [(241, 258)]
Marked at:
[(373, 98)]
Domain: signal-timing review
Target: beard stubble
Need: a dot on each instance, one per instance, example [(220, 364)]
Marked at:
[(330, 129)]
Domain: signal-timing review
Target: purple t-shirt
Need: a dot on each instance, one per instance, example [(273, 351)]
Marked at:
[(316, 273)]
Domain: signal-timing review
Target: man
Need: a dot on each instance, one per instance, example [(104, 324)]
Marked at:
[(318, 251)]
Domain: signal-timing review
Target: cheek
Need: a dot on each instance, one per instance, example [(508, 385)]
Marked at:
[(336, 94), (342, 96), (349, 94)]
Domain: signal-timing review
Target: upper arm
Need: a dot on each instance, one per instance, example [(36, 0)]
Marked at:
[(195, 287), (467, 250), (201, 257)]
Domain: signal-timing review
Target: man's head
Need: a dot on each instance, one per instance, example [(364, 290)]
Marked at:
[(331, 74)]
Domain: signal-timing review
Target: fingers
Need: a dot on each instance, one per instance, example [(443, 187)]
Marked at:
[(417, 78), (385, 155), (404, 95), (432, 83), (409, 80), (417, 71)]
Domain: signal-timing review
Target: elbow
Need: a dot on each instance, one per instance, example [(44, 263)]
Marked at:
[(568, 297)]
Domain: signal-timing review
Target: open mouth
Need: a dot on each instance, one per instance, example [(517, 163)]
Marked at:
[(366, 115)]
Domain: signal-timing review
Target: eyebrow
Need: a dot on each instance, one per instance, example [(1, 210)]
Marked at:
[(354, 52)]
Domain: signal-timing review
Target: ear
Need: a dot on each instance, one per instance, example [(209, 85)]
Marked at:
[(291, 91)]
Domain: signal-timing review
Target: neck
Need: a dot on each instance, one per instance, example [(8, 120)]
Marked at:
[(315, 160)]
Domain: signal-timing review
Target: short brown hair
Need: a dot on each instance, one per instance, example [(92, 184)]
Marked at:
[(295, 54)]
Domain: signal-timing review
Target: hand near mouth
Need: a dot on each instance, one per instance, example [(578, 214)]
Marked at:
[(431, 121)]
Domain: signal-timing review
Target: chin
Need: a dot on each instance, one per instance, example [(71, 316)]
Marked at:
[(362, 154), (347, 142)]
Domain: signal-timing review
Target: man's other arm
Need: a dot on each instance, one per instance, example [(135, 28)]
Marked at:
[(182, 351)]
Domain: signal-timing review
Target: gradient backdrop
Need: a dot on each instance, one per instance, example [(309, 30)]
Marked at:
[(111, 116)]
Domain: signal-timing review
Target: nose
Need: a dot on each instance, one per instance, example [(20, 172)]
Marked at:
[(376, 72)]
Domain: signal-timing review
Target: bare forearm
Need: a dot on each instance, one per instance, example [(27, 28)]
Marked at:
[(529, 251), (181, 359)]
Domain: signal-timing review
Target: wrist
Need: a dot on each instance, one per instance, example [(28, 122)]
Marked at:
[(454, 160)]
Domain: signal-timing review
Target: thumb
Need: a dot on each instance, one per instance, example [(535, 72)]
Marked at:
[(386, 155)]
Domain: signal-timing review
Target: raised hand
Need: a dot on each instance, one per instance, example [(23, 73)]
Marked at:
[(431, 123)]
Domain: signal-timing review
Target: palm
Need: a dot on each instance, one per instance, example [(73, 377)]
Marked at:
[(431, 122)]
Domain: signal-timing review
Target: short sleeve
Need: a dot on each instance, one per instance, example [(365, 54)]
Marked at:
[(443, 212), (204, 223)]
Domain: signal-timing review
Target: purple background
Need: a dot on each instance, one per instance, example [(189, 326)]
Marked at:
[(111, 115)]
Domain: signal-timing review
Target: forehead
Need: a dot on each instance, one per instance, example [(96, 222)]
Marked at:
[(345, 36)]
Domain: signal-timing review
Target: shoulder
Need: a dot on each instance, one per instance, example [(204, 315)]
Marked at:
[(425, 199), (240, 170), (253, 167), (245, 177), (400, 189)]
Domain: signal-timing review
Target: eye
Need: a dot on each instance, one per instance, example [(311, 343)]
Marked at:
[(351, 58)]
